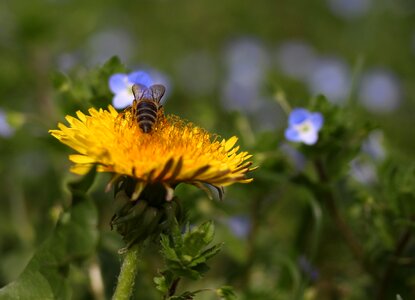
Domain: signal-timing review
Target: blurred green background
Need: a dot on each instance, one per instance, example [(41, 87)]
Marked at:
[(223, 63)]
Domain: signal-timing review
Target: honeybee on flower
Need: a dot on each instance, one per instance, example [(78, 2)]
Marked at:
[(176, 151)]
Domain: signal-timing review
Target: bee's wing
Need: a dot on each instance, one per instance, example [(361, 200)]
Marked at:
[(140, 91), (156, 92)]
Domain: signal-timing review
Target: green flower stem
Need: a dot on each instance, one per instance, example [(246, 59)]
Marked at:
[(390, 268), (173, 287), (344, 229), (126, 279), (252, 239), (282, 101)]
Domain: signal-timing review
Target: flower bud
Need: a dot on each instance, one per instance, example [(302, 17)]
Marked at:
[(149, 215)]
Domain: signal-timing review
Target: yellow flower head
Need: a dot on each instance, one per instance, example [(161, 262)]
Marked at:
[(174, 151)]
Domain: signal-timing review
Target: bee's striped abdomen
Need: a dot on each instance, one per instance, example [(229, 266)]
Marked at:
[(146, 114)]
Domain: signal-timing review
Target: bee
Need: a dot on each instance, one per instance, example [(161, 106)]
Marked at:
[(146, 105)]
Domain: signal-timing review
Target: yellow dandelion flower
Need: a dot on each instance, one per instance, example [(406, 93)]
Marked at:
[(174, 151)]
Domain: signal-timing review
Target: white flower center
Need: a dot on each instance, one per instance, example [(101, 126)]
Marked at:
[(304, 127), (307, 132)]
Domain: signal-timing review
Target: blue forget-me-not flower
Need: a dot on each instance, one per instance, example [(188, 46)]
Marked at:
[(307, 268), (121, 84), (5, 129), (239, 225), (304, 126)]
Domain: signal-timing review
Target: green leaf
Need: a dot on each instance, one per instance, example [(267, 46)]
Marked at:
[(79, 188), (168, 252), (185, 254), (113, 65), (161, 284), (175, 232), (74, 239), (212, 251), (198, 238), (101, 95), (61, 82), (226, 293), (81, 89), (185, 296), (200, 269)]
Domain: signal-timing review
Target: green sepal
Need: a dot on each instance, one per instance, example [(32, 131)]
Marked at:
[(145, 217), (212, 191)]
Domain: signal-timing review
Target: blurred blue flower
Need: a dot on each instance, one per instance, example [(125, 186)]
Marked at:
[(307, 268), (160, 78), (197, 73), (330, 77), (349, 9), (298, 159), (247, 61), (68, 60), (121, 84), (240, 97), (5, 129), (363, 171), (268, 116), (304, 126), (295, 58), (380, 91), (239, 225), (374, 146), (105, 44)]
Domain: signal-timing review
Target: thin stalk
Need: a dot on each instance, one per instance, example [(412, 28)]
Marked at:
[(126, 279), (282, 101), (390, 268), (96, 281), (251, 243), (173, 287), (343, 228)]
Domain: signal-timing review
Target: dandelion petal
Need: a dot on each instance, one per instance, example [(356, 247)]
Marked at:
[(176, 151)]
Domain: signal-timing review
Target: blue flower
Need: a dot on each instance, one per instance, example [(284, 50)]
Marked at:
[(239, 225), (307, 268), (5, 129), (121, 84), (331, 77), (304, 126)]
